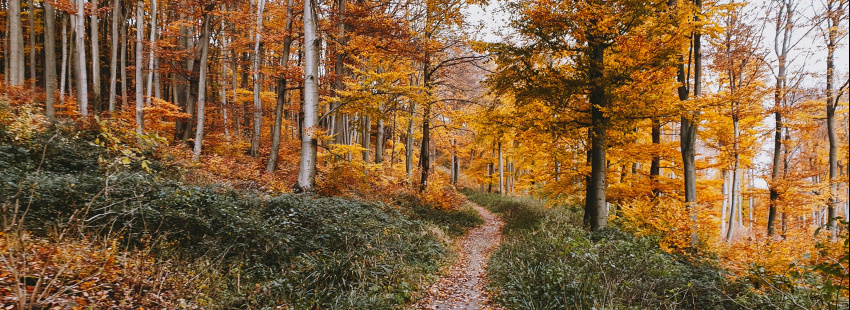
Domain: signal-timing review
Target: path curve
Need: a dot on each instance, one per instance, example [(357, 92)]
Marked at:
[(463, 288)]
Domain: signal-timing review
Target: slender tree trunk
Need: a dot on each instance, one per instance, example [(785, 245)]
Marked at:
[(688, 131), (379, 142), (501, 170), (735, 201), (307, 166), (833, 20), (596, 208), (282, 93), (64, 66), (113, 54), (408, 159), (49, 58), (202, 85), (724, 189), (95, 58), (16, 44), (31, 21), (366, 137), (655, 166), (340, 125), (255, 66), (140, 29), (123, 67), (151, 54), (82, 89)]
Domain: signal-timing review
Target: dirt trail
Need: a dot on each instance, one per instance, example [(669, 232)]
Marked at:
[(463, 287)]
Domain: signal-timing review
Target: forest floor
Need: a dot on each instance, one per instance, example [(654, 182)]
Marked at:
[(464, 286)]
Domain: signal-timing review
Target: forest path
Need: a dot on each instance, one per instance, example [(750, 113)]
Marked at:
[(463, 288)]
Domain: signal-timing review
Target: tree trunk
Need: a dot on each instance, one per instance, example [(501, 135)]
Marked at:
[(113, 54), (655, 166), (63, 70), (282, 92), (379, 142), (307, 166), (82, 90), (151, 54), (49, 58), (123, 67), (202, 85), (724, 190), (31, 21), (365, 137), (501, 170), (688, 132), (833, 20), (408, 148), (340, 125), (95, 58), (140, 28), (596, 208), (255, 66), (16, 44)]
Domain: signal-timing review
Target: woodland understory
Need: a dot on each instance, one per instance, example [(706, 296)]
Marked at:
[(305, 154)]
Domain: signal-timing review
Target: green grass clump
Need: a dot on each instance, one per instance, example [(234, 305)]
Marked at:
[(248, 249), (547, 261)]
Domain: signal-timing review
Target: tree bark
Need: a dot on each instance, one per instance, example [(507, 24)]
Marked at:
[(340, 124), (202, 85), (82, 89), (501, 170), (655, 166), (379, 142), (596, 208), (31, 22), (140, 29), (16, 44), (255, 66), (307, 166), (408, 159), (49, 58), (282, 93), (366, 137), (63, 70), (833, 20), (113, 54), (151, 54), (123, 67), (95, 58)]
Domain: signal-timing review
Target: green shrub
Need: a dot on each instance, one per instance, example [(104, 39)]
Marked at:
[(257, 249), (548, 262)]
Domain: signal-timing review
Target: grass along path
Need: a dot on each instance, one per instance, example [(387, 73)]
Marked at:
[(464, 286)]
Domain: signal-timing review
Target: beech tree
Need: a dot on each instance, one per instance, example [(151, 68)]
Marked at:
[(307, 167)]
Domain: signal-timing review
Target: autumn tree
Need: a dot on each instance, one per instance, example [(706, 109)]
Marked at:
[(567, 59)]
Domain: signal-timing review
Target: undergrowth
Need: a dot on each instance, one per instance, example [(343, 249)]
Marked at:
[(106, 223), (548, 261)]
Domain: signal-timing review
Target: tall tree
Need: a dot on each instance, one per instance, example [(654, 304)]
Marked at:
[(117, 19), (31, 38), (835, 10), (95, 56), (689, 122), (255, 67), (16, 44), (151, 55), (309, 143), (282, 91), (49, 58), (202, 84), (139, 64), (80, 47)]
